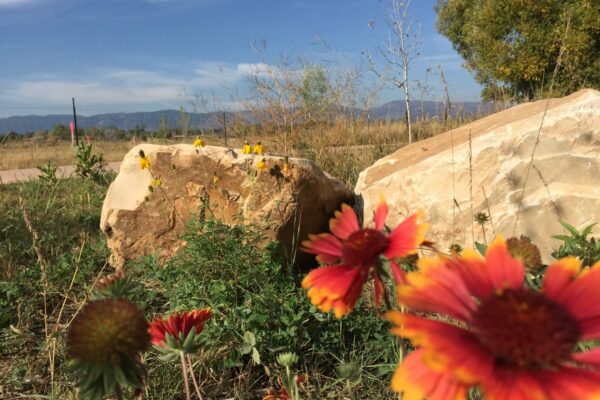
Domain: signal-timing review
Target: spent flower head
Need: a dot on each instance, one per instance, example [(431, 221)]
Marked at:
[(524, 250), (105, 341), (482, 218)]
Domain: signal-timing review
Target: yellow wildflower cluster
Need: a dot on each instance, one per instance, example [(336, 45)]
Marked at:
[(144, 162), (258, 149), (246, 149), (199, 142)]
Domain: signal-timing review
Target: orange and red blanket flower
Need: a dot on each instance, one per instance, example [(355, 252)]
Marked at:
[(474, 323), (353, 253), (178, 325)]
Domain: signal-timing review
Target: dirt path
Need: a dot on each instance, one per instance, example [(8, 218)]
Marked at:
[(19, 175)]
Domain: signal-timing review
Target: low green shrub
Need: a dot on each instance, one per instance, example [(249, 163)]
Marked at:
[(259, 312)]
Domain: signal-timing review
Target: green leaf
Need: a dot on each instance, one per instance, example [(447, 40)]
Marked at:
[(587, 230), (570, 228), (481, 247), (246, 348), (255, 356), (249, 338)]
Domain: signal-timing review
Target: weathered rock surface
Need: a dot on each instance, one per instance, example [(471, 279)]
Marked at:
[(289, 205), (452, 177)]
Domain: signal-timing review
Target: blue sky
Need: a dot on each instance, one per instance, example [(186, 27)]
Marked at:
[(144, 55)]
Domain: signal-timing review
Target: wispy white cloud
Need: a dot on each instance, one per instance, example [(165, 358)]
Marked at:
[(14, 3), (129, 87)]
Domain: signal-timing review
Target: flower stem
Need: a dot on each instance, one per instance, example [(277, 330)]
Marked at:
[(188, 396), (118, 392), (191, 365)]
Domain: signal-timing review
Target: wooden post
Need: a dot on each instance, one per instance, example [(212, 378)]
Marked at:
[(75, 123)]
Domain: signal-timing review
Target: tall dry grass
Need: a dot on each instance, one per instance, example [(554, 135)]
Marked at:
[(343, 148)]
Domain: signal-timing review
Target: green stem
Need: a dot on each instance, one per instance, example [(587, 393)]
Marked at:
[(191, 365), (188, 396), (118, 392)]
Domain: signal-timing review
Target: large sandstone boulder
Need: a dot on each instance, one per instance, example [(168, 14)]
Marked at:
[(452, 177), (289, 205)]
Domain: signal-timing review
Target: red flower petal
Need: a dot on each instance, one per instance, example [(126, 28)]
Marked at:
[(337, 287), (559, 275), (406, 237), (545, 384), (381, 213), (590, 357), (397, 273), (580, 297), (327, 247), (344, 223), (448, 348), (504, 270), (417, 381), (436, 288), (472, 269)]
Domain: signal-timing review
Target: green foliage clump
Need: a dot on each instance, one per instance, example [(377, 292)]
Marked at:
[(523, 49), (587, 250), (259, 311), (48, 173), (88, 164)]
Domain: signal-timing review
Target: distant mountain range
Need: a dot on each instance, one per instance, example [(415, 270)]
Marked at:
[(392, 110)]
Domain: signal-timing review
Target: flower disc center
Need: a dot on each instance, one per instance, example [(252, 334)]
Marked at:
[(363, 247), (525, 328)]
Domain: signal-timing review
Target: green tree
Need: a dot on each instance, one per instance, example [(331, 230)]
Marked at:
[(60, 132), (314, 91), (184, 121), (163, 128), (525, 49)]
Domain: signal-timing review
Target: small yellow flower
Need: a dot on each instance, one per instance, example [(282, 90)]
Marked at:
[(258, 148), (156, 182), (144, 162), (215, 178), (246, 149), (199, 142), (262, 165)]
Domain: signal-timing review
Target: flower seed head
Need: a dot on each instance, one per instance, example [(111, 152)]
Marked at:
[(108, 331)]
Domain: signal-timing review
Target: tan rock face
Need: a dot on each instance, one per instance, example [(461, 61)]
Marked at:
[(453, 177), (288, 205)]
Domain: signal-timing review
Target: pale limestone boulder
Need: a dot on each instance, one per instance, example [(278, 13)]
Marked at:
[(287, 205), (452, 177)]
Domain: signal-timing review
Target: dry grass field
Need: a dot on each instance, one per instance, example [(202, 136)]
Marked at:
[(343, 149)]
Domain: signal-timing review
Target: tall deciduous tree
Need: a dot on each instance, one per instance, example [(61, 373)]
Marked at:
[(399, 51), (525, 48)]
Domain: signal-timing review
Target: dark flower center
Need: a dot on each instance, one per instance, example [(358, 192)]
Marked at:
[(363, 247), (526, 329)]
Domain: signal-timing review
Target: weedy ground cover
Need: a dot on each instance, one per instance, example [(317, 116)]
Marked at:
[(259, 309)]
